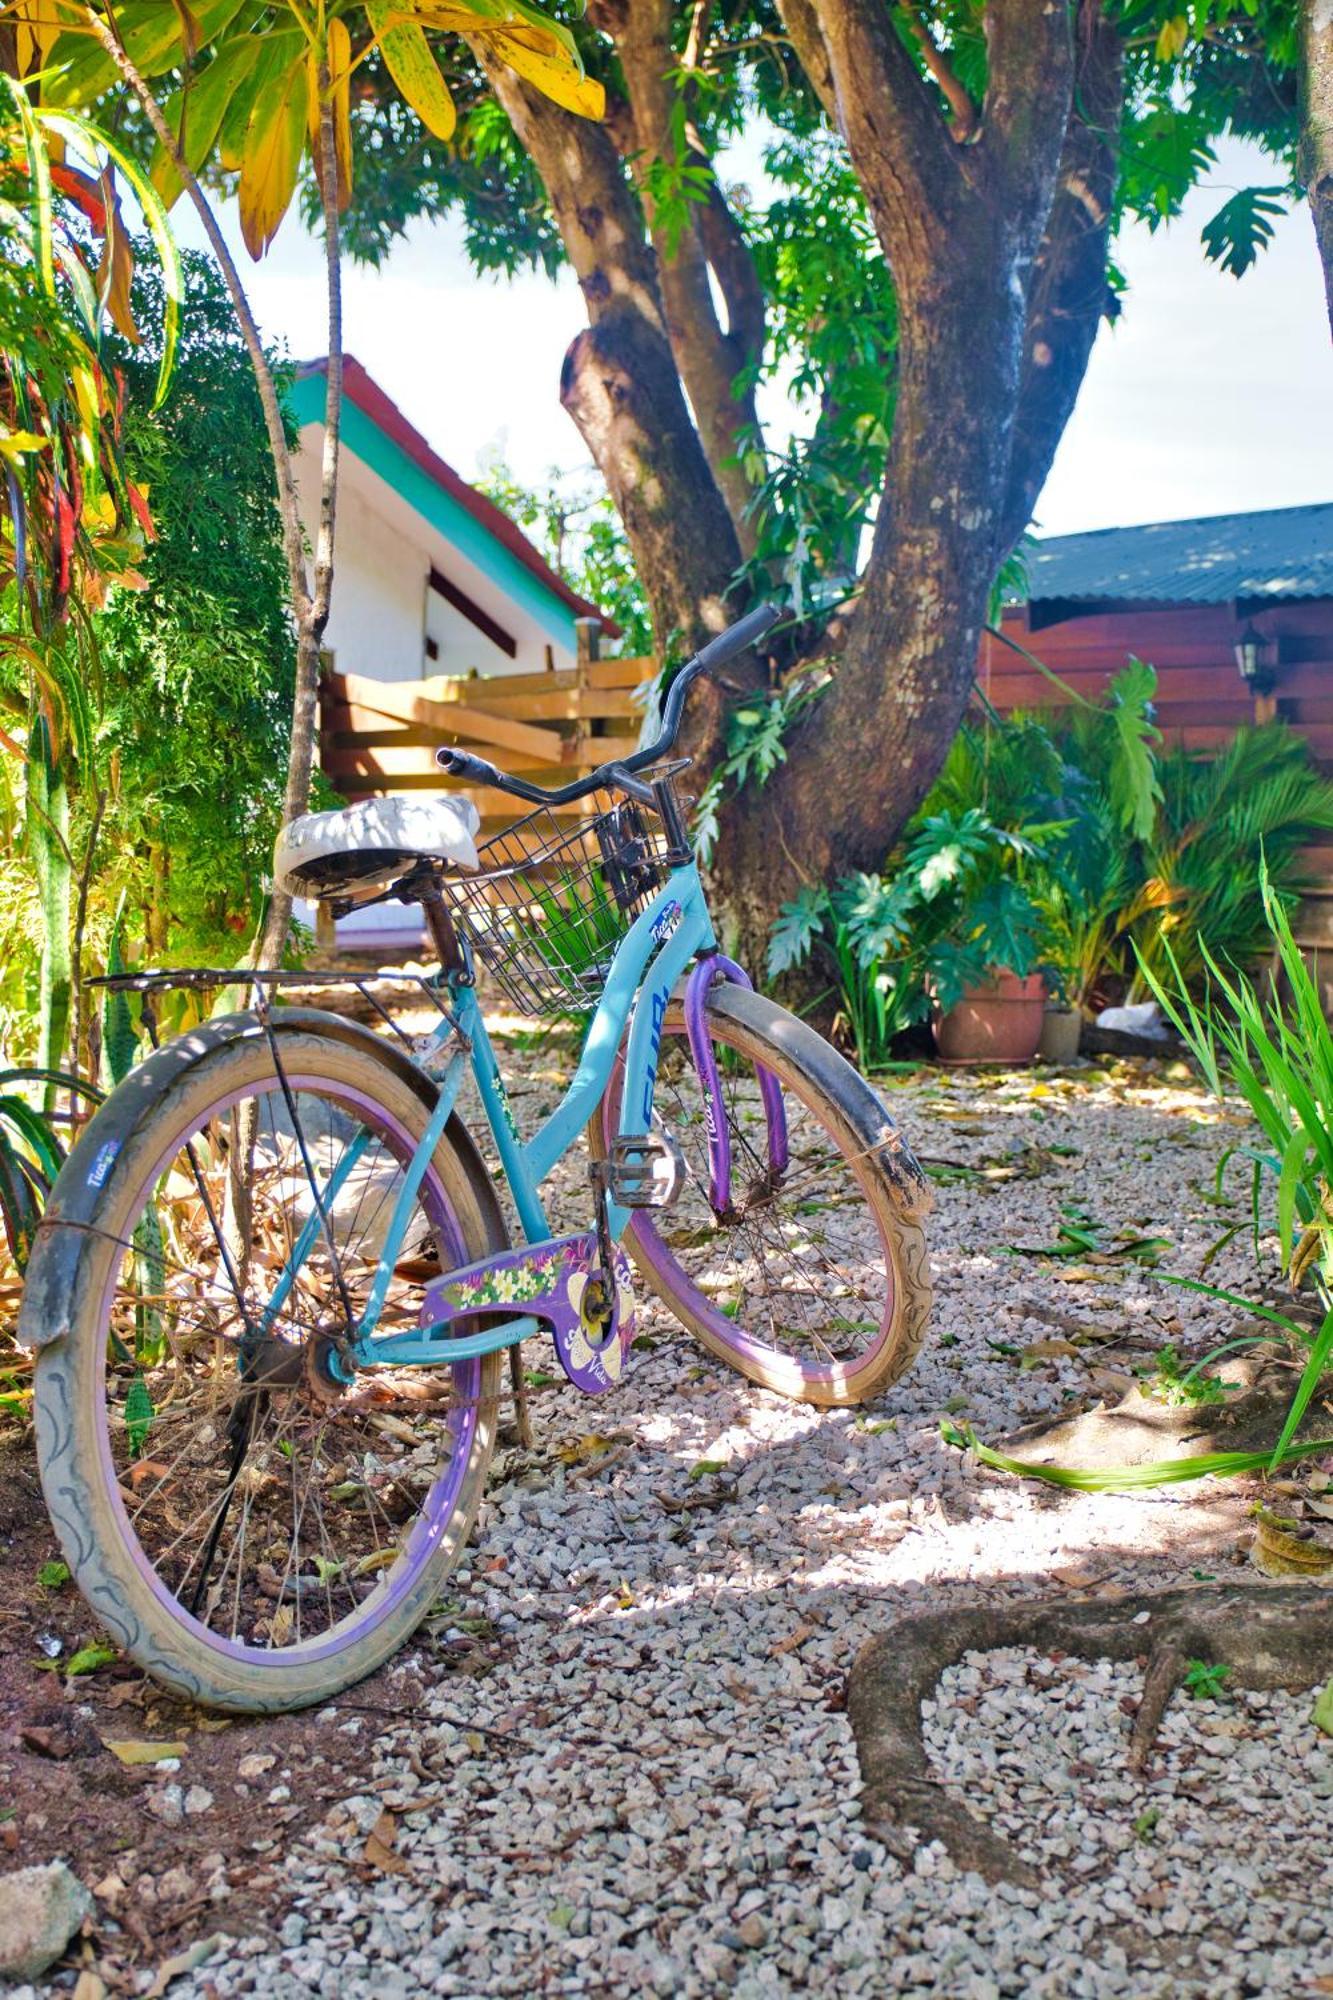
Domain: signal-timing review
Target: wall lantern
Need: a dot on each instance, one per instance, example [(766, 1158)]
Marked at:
[(1256, 659)]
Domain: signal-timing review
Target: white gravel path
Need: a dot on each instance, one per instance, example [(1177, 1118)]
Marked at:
[(675, 1808)]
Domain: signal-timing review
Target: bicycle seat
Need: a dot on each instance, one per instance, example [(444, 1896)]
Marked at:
[(366, 845)]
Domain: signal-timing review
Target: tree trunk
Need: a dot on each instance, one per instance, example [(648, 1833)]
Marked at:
[(1070, 294), (1316, 164), (964, 230), (620, 381), (868, 749), (708, 359)]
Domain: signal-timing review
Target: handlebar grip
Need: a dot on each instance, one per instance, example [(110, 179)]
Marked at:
[(462, 764), (737, 637)]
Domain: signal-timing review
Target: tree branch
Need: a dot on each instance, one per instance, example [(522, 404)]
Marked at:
[(806, 37), (620, 381), (707, 359), (963, 109), (912, 171), (1030, 45), (1069, 296), (732, 264)]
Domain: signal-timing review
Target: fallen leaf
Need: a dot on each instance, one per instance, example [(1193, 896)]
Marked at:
[(185, 1961), (89, 1658), (592, 1445), (791, 1642), (133, 1750), (1050, 1350), (378, 1851), (89, 1986)]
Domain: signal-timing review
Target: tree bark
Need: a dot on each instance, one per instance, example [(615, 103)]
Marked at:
[(708, 359), (1316, 165), (315, 617), (621, 385), (1070, 295), (962, 228)]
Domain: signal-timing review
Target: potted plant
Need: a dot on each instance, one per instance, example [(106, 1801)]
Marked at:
[(951, 935)]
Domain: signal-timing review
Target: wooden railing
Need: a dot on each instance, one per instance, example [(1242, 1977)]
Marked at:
[(381, 736)]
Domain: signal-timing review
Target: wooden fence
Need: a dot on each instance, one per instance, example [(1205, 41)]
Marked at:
[(381, 736)]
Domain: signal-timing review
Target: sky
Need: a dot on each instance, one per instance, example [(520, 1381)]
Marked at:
[(1209, 395)]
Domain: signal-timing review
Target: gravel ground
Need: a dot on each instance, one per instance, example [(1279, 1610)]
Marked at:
[(652, 1787)]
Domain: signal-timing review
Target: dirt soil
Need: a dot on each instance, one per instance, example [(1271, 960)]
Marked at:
[(166, 1881)]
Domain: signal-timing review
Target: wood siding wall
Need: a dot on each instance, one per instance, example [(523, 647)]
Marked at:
[(1201, 699)]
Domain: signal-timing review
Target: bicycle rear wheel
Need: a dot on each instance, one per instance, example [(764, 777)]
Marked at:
[(252, 1533), (817, 1283)]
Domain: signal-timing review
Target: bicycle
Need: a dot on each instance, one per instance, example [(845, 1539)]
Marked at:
[(274, 1286)]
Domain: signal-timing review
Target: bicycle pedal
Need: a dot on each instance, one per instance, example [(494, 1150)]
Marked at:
[(645, 1171)]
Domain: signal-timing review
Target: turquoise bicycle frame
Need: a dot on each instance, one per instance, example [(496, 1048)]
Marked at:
[(650, 959)]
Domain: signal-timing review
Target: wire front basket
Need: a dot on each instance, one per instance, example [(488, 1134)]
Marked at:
[(553, 900)]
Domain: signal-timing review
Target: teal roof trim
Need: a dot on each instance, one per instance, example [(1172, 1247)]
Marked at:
[(362, 436)]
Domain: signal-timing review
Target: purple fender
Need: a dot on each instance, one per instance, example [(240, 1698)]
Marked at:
[(716, 966)]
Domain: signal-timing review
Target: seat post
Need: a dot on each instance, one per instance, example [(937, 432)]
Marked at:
[(453, 960)]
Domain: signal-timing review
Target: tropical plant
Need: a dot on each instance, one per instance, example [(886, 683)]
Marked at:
[(32, 1151), (1274, 1048), (1220, 822), (956, 908), (255, 87), (72, 521)]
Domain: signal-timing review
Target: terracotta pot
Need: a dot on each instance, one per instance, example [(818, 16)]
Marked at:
[(996, 1023), (1061, 1028)]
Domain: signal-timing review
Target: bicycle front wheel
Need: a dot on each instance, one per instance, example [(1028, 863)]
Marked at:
[(816, 1282), (253, 1533)]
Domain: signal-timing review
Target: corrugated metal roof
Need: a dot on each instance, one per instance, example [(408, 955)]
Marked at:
[(1281, 552)]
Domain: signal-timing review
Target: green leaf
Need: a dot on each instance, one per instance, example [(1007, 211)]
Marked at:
[(53, 1575), (1242, 227), (89, 1658), (1322, 1713), (798, 925), (159, 228), (412, 65), (1132, 1478)]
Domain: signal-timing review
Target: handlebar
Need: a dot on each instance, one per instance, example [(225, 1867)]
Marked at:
[(736, 638)]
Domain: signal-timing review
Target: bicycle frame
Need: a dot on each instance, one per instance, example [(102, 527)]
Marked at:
[(649, 960)]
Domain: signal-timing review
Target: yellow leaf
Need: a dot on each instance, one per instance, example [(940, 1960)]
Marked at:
[(17, 444), (272, 156), (413, 67), (131, 1751), (1172, 37), (99, 511), (535, 58), (340, 77)]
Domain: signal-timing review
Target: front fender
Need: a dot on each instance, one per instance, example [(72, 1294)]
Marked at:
[(63, 1246)]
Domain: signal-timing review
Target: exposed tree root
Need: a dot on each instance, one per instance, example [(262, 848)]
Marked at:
[(1139, 1430), (1279, 1636)]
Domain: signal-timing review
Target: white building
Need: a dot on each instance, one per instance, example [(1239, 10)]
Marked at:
[(430, 577)]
